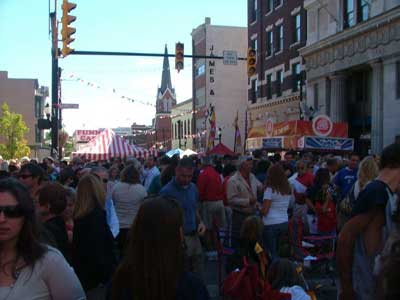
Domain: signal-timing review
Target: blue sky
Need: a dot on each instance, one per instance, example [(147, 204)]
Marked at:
[(120, 25)]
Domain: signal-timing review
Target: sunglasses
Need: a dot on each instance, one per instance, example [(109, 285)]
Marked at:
[(105, 180), (24, 176), (12, 211)]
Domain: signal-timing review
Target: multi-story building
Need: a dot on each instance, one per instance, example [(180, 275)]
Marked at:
[(353, 66), (24, 96), (276, 31), (166, 98), (218, 85), (181, 117)]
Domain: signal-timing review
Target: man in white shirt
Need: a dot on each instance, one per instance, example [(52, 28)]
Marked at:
[(150, 171)]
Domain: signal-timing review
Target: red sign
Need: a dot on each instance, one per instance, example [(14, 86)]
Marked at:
[(322, 125)]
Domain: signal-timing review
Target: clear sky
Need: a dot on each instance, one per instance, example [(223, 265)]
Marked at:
[(120, 25)]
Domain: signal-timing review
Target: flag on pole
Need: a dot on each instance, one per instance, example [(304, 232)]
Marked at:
[(238, 139), (213, 126)]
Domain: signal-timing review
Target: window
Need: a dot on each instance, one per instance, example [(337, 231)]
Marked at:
[(38, 107), (270, 5), (296, 28), (254, 11), (254, 45), (316, 97), (176, 130), (269, 86), (349, 18), (296, 69), (270, 43), (188, 126), (277, 3), (253, 91), (38, 133), (200, 70), (278, 83), (278, 38), (363, 10), (398, 79)]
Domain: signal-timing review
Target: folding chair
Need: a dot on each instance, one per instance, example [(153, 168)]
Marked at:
[(313, 251)]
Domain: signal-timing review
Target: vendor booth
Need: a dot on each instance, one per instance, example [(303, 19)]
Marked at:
[(107, 145), (317, 135)]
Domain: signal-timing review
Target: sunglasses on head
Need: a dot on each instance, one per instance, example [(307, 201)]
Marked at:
[(12, 211)]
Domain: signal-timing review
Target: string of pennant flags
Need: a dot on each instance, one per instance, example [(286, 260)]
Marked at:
[(87, 83)]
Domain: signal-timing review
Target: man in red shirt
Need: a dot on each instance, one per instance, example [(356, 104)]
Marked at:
[(211, 195)]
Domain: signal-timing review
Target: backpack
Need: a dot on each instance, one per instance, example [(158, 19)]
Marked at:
[(246, 284)]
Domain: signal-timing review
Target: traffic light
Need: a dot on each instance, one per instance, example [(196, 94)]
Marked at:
[(179, 55), (66, 30), (251, 62)]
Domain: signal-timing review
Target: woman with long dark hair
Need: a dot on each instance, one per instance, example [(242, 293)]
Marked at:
[(29, 269), (152, 268)]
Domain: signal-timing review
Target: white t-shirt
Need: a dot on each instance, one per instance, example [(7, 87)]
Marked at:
[(297, 292), (277, 213)]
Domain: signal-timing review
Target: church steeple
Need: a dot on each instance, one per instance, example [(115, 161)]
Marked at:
[(166, 97), (166, 74)]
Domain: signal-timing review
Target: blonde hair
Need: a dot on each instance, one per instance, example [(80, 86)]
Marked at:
[(90, 194), (367, 171)]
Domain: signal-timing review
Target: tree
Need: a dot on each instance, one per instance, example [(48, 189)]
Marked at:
[(12, 132)]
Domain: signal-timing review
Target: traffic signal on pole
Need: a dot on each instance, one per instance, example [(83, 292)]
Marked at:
[(179, 55), (67, 31), (251, 62)]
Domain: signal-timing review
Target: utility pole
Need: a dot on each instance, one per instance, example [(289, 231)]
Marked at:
[(54, 86)]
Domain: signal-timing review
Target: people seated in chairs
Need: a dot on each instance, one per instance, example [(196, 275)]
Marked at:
[(249, 246), (283, 276)]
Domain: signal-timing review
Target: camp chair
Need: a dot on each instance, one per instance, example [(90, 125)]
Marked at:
[(315, 252)]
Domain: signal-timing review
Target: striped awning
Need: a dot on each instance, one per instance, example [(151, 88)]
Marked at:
[(109, 145)]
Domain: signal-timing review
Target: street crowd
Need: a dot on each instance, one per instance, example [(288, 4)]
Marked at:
[(144, 228)]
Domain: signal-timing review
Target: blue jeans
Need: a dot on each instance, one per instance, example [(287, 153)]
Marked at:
[(271, 237)]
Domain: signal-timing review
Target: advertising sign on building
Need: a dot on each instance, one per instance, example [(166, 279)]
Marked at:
[(322, 125)]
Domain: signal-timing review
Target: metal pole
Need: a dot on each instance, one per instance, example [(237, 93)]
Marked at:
[(54, 86)]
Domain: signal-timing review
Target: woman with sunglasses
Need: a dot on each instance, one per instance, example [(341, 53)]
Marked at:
[(29, 269)]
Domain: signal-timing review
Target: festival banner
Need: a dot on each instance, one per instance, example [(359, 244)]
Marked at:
[(299, 128), (326, 143)]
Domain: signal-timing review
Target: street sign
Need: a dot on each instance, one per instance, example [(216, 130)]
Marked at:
[(230, 57), (69, 106)]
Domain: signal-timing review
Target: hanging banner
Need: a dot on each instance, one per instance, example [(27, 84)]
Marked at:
[(272, 143), (299, 127), (325, 143)]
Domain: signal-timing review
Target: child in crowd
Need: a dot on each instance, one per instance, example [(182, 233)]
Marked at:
[(326, 212), (283, 276)]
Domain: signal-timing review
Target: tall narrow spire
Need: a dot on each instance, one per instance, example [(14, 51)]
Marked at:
[(166, 74)]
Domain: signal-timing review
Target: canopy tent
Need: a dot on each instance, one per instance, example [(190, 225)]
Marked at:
[(187, 152), (108, 145), (221, 149), (173, 152)]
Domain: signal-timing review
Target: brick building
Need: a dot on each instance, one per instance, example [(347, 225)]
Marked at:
[(166, 98), (276, 30), (25, 97)]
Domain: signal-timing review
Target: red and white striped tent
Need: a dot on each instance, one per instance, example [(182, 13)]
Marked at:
[(107, 145)]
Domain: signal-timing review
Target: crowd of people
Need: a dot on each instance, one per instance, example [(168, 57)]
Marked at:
[(143, 228)]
